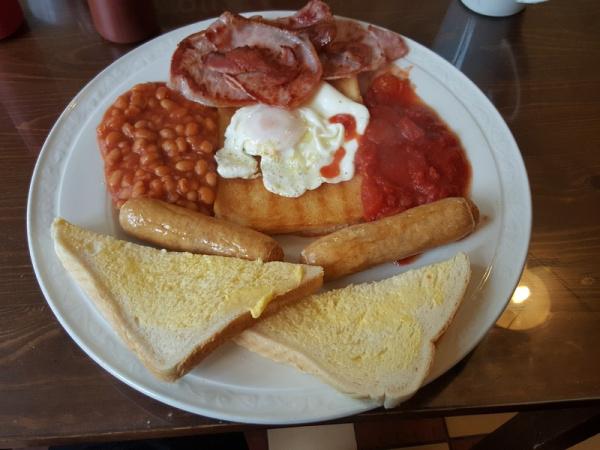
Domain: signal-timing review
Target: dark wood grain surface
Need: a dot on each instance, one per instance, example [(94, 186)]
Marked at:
[(540, 68)]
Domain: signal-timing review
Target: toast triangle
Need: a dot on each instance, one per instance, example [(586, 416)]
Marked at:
[(173, 308), (373, 341)]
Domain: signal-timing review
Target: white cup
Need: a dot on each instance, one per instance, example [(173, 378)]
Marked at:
[(497, 8)]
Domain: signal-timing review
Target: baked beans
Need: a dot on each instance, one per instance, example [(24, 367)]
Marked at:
[(156, 143)]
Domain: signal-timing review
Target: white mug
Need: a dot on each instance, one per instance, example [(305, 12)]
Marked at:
[(497, 8)]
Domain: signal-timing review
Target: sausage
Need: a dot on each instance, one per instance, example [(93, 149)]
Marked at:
[(181, 229), (362, 246)]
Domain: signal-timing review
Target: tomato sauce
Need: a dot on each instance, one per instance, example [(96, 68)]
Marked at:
[(348, 122), (408, 156), (333, 170)]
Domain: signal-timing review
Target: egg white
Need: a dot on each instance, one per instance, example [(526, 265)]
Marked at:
[(293, 145)]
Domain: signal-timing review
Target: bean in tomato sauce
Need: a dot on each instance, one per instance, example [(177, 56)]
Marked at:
[(408, 156), (156, 143)]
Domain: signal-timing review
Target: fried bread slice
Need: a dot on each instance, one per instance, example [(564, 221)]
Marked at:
[(322, 210)]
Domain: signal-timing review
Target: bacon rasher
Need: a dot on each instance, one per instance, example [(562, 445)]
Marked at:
[(239, 61)]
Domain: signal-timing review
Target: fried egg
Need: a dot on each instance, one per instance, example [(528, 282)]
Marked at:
[(299, 149)]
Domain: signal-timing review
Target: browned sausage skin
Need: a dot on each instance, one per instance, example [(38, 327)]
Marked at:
[(180, 229), (362, 246)]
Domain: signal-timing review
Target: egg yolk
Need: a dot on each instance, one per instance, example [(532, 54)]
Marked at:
[(282, 128)]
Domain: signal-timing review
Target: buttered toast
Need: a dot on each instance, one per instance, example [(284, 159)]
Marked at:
[(173, 308), (372, 341)]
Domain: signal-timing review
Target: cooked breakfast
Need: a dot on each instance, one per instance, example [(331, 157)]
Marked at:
[(299, 125)]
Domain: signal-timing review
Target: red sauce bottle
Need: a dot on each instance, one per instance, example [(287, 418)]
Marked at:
[(124, 21), (11, 17)]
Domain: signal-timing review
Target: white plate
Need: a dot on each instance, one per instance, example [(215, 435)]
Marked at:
[(234, 384)]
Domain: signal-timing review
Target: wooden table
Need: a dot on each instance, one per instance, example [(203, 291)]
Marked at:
[(540, 68)]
